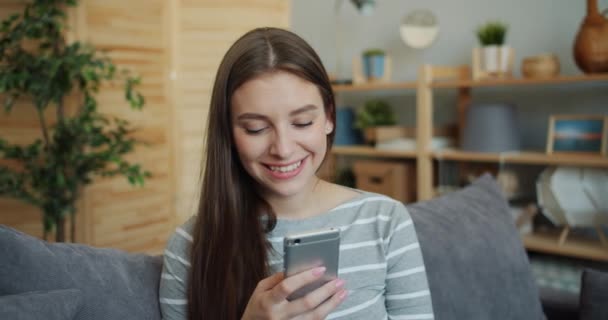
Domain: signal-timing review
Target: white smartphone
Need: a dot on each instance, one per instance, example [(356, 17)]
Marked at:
[(307, 250)]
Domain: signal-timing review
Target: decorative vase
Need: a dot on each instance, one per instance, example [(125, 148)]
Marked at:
[(346, 133), (496, 59), (591, 45), (373, 66)]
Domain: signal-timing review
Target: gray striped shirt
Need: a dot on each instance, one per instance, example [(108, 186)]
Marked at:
[(380, 260)]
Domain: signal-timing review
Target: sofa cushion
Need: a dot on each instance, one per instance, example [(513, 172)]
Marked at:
[(594, 295), (41, 305), (476, 264), (114, 284)]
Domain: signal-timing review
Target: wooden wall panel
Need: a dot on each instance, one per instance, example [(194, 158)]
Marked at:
[(205, 31), (176, 46), (135, 35)]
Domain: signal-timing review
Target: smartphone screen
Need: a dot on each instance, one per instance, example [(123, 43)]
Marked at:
[(304, 251)]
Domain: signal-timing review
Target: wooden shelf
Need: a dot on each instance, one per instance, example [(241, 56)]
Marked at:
[(366, 151), (518, 81), (573, 247), (431, 77), (524, 157), (376, 86)]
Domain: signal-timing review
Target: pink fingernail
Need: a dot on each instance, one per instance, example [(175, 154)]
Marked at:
[(342, 294), (339, 283), (318, 271)]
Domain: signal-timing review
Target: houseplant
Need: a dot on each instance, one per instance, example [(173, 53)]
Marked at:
[(38, 65), (495, 54), (377, 119)]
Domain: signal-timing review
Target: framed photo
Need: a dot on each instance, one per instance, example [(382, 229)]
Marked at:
[(577, 134)]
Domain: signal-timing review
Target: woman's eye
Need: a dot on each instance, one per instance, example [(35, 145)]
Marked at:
[(303, 125), (254, 131)]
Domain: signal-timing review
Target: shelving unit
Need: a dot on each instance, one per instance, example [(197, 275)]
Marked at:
[(524, 157), (437, 77), (376, 86), (575, 247), (372, 152), (432, 78), (518, 81)]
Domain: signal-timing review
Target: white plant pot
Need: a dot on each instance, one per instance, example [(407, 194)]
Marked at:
[(495, 59)]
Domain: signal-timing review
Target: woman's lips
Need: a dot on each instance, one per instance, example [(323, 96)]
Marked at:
[(286, 171)]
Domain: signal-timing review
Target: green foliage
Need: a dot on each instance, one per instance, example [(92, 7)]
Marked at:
[(375, 113), (37, 64), (373, 52), (492, 33)]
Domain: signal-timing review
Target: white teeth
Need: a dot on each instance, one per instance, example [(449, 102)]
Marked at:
[(286, 168)]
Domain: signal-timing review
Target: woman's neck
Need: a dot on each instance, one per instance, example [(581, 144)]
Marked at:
[(303, 205)]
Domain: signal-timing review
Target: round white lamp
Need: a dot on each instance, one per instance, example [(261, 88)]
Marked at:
[(419, 29)]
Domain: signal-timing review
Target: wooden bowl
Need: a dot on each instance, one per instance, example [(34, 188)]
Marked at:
[(541, 66)]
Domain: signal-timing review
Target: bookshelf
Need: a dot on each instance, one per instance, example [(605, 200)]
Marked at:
[(431, 78)]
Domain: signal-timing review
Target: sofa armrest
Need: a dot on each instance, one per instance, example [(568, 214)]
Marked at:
[(559, 305)]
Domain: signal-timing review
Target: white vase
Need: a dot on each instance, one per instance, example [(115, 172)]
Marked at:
[(495, 59)]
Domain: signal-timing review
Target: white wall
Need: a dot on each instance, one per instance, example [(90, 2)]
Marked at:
[(535, 26)]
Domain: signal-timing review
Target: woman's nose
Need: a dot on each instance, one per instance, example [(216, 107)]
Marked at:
[(282, 145)]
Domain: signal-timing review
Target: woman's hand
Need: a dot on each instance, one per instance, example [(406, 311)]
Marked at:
[(269, 299)]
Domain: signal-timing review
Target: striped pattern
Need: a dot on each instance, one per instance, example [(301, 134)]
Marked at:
[(380, 260), (134, 35)]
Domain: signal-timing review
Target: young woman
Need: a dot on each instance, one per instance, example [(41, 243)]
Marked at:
[(271, 124)]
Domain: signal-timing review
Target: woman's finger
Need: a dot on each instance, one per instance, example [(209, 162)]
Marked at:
[(315, 298), (282, 290), (322, 311), (270, 282)]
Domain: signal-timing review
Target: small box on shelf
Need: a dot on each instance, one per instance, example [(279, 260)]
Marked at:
[(394, 179)]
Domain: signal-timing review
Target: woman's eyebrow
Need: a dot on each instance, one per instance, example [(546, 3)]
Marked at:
[(306, 108), (251, 116), (257, 116)]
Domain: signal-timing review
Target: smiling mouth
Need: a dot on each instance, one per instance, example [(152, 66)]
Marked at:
[(285, 169)]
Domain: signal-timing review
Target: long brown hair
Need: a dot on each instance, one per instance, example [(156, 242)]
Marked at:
[(229, 251)]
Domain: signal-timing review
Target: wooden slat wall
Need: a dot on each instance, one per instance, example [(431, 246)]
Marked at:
[(176, 46), (135, 33), (206, 29)]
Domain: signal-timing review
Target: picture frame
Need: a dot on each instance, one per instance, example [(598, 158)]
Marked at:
[(579, 134)]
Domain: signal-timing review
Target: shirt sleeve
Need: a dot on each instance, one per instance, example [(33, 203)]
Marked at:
[(407, 291), (173, 297)]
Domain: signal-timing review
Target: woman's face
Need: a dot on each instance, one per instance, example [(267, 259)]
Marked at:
[(280, 130)]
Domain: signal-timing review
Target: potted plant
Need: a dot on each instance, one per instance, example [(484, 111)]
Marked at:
[(376, 119), (495, 54), (38, 65), (374, 61)]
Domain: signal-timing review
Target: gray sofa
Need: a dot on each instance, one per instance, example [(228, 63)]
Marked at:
[(475, 261)]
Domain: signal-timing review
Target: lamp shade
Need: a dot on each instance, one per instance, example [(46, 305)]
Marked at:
[(491, 128)]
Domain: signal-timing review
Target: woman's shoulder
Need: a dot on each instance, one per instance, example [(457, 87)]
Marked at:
[(370, 201), (376, 205), (181, 239)]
